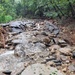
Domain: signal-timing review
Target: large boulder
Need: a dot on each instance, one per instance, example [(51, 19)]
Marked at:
[(52, 28), (41, 69)]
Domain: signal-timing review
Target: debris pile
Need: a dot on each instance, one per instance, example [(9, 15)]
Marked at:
[(30, 42)]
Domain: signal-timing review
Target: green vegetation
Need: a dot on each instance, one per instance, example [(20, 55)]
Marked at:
[(54, 73), (11, 9)]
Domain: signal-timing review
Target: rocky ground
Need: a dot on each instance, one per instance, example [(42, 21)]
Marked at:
[(34, 44)]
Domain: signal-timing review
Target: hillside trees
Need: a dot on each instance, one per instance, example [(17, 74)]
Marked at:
[(7, 10), (49, 8), (11, 9)]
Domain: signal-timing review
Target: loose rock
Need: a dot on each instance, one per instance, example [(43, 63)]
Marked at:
[(73, 54), (40, 69), (65, 50), (72, 67), (19, 51)]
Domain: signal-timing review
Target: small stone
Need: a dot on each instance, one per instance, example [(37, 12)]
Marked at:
[(58, 57), (19, 68), (12, 47), (52, 28), (44, 33), (51, 42), (64, 65), (62, 43), (54, 47), (19, 51), (58, 64), (65, 50), (57, 61), (67, 61), (46, 40), (50, 59), (73, 54), (51, 63), (43, 62), (63, 57), (43, 54), (26, 63), (7, 72), (56, 32), (55, 40), (52, 51), (16, 41), (37, 47), (71, 67), (41, 23), (64, 69)]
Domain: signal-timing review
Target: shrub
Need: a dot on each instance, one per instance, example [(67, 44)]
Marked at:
[(8, 18)]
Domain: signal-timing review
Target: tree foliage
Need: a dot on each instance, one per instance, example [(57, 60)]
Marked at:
[(11, 9)]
